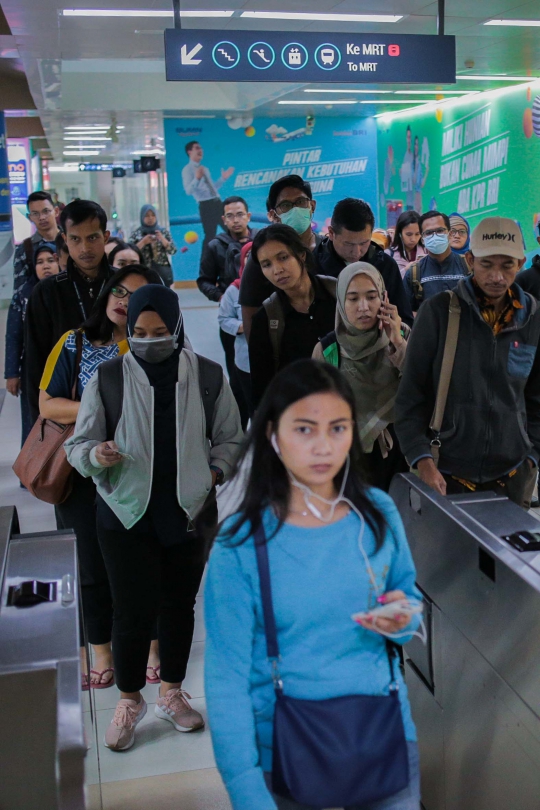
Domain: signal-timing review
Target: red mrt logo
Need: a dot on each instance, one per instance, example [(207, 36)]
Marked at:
[(393, 50)]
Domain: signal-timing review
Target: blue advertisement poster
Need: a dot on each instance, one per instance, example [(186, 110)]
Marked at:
[(244, 156), (5, 197)]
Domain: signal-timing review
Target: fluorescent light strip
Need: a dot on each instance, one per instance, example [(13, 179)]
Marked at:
[(91, 127), (395, 101), (67, 167), (348, 92), (83, 152), (312, 17), (309, 103), (434, 92), (80, 138), (123, 12), (524, 23), (501, 78)]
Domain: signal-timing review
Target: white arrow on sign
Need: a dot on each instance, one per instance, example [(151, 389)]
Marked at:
[(187, 58)]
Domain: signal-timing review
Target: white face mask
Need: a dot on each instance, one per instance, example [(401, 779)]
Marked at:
[(437, 243), (297, 218), (309, 495)]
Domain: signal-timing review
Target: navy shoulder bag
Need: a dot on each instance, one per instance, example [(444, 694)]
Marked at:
[(336, 752)]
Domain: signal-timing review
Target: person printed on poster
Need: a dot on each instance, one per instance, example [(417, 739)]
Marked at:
[(198, 183)]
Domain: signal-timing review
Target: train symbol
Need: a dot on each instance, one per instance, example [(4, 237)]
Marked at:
[(328, 56)]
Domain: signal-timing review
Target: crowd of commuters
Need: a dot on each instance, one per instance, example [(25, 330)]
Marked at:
[(334, 352)]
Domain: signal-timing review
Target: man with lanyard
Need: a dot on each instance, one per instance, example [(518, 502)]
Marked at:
[(65, 301), (441, 269), (490, 433), (198, 183), (350, 240), (42, 212), (290, 201)]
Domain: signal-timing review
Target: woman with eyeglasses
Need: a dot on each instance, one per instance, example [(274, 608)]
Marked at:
[(101, 337), (460, 234)]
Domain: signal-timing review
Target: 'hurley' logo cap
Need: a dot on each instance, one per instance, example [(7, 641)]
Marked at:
[(497, 236)]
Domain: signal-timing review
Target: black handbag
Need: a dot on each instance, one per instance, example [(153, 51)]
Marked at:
[(336, 752)]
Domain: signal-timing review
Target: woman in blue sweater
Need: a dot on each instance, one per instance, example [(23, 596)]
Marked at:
[(335, 548)]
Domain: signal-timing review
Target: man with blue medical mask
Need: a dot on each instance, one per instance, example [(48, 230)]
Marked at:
[(441, 269)]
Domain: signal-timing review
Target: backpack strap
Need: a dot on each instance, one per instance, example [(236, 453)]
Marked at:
[(210, 383), (29, 253), (447, 366), (466, 267), (330, 285), (111, 391), (416, 276), (276, 325)]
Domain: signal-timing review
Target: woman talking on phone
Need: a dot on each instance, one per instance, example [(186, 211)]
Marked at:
[(294, 641), (369, 344)]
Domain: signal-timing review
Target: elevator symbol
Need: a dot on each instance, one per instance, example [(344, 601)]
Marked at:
[(294, 56)]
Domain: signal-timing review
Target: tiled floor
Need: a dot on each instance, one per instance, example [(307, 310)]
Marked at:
[(165, 769)]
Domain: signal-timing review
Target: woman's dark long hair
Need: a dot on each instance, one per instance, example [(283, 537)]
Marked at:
[(288, 237), (404, 219), (125, 246), (268, 483), (97, 327)]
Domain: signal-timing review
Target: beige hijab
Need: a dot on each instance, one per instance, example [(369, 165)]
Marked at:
[(365, 362)]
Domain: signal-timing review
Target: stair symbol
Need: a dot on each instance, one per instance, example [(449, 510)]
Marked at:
[(225, 54)]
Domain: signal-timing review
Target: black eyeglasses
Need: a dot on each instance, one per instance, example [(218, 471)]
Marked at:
[(120, 292), (286, 206), (438, 231)]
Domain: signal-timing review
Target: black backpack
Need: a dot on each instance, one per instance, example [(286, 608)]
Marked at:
[(111, 390)]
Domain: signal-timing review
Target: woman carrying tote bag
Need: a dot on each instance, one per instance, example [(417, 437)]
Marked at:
[(307, 707)]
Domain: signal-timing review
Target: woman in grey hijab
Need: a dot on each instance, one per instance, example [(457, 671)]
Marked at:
[(369, 345), (155, 243)]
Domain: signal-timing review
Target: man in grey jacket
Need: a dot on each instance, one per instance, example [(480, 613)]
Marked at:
[(490, 436)]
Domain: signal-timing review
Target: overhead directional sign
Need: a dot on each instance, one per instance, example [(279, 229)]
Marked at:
[(247, 56)]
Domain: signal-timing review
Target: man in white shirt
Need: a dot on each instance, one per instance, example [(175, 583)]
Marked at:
[(198, 183)]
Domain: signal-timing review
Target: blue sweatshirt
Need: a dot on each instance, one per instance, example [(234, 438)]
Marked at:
[(319, 579)]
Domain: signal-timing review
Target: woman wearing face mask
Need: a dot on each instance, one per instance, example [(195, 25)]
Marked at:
[(155, 242), (369, 344), (334, 548), (406, 244), (100, 338), (155, 463), (123, 254), (45, 265), (299, 313)]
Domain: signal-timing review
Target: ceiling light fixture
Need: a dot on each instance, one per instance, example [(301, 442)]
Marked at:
[(86, 138), (66, 167), (91, 127), (313, 17), (312, 90), (525, 23), (136, 12), (395, 101), (309, 103), (82, 152), (434, 92), (501, 77)]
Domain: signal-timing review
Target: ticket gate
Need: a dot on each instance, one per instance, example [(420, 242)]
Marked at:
[(42, 746), (475, 687)]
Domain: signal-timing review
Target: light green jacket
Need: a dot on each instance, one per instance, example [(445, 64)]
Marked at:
[(126, 487)]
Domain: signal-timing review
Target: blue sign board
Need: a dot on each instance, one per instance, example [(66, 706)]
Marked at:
[(248, 56), (5, 201), (103, 167)]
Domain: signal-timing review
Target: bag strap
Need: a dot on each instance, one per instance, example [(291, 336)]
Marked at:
[(210, 384), (276, 325), (78, 358), (330, 284), (447, 366), (270, 627), (418, 290), (29, 253), (111, 391)]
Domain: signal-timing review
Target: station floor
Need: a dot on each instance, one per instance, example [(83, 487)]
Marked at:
[(165, 770)]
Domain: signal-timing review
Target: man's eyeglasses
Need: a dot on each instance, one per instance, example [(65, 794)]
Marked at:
[(438, 231), (35, 215), (286, 206), (231, 217), (458, 232), (120, 292)]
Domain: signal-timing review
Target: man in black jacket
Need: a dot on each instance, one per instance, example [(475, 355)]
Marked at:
[(349, 240), (64, 302), (490, 435), (529, 280)]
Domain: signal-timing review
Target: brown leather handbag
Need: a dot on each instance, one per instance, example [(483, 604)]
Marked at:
[(42, 465)]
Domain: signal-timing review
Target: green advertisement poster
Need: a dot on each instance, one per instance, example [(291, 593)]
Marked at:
[(480, 157)]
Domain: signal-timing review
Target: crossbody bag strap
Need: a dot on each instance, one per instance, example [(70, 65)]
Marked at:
[(78, 358), (263, 567), (447, 366)]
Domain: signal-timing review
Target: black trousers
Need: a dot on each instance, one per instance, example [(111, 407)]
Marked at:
[(78, 512), (245, 381), (150, 581), (211, 212), (518, 485), (380, 471), (227, 341)]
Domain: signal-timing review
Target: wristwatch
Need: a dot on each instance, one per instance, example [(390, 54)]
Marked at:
[(220, 475)]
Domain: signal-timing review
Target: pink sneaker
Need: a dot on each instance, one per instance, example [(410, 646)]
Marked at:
[(121, 733), (175, 708)]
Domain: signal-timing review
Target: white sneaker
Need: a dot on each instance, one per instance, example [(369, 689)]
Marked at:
[(175, 708)]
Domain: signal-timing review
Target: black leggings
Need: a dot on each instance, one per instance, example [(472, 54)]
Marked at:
[(78, 512), (227, 341), (150, 581)]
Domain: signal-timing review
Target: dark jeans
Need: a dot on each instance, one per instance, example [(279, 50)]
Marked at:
[(227, 341), (245, 381), (78, 512), (517, 485), (150, 581), (380, 471), (26, 417), (407, 799), (211, 212)]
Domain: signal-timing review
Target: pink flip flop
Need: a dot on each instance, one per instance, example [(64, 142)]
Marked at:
[(157, 674), (100, 685)]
